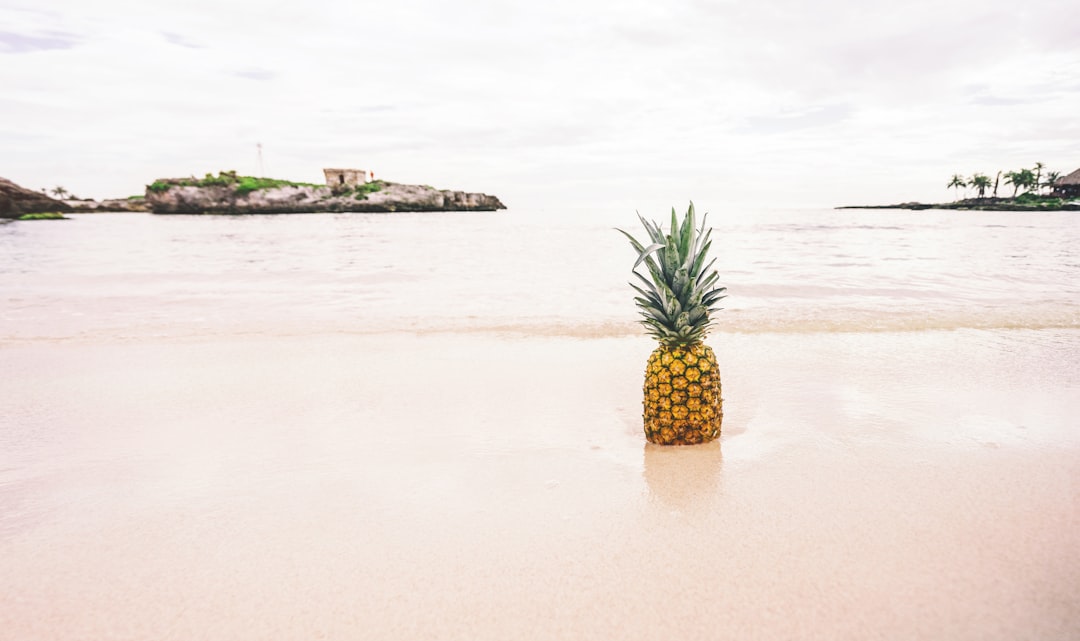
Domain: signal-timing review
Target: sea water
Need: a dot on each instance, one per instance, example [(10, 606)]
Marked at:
[(129, 275)]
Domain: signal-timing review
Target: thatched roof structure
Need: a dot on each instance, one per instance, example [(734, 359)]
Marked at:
[(1071, 179), (1068, 186)]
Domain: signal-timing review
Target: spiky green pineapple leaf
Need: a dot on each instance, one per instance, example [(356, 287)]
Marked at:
[(648, 251), (686, 233), (654, 269), (679, 295)]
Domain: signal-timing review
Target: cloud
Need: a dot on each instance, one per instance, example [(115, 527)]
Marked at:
[(22, 43), (817, 116), (987, 99), (180, 41), (672, 96), (256, 74)]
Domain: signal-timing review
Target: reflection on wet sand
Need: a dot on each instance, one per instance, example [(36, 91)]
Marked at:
[(683, 478)]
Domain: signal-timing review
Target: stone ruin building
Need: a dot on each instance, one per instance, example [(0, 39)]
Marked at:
[(347, 177)]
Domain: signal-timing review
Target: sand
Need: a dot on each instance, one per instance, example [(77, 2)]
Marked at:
[(457, 486)]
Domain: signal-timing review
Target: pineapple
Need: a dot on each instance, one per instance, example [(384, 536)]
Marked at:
[(682, 403)]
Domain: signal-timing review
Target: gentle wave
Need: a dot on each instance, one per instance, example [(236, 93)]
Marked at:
[(557, 328), (757, 323)]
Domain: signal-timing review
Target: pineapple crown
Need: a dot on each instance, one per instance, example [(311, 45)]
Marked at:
[(675, 302)]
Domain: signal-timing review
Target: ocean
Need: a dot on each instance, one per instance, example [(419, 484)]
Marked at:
[(128, 275)]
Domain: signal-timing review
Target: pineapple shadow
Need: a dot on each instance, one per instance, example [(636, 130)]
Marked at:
[(683, 477)]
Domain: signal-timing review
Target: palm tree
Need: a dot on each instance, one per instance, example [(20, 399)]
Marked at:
[(59, 192), (1013, 178), (956, 183), (1051, 178), (980, 182), (997, 179), (1027, 179), (1023, 178), (1038, 174)]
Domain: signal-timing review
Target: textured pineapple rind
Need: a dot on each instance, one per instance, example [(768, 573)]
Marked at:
[(682, 395)]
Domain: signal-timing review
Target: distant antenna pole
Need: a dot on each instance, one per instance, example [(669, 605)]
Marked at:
[(258, 146)]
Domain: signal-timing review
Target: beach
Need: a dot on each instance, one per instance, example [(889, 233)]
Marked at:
[(397, 486), (298, 428)]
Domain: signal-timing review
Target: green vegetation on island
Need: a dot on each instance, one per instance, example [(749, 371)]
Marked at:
[(1031, 180), (52, 215), (364, 189), (242, 185), (1049, 191)]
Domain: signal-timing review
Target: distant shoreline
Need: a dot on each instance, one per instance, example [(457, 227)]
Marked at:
[(984, 204)]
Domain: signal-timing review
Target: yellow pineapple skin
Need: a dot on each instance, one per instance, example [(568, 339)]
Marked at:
[(682, 395)]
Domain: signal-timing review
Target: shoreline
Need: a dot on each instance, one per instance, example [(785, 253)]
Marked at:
[(974, 204)]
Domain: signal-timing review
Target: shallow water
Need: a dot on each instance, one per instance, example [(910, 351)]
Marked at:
[(124, 275)]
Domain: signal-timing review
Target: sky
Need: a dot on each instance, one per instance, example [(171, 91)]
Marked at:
[(553, 106)]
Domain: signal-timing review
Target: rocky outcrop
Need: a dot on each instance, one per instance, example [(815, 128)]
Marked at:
[(109, 205), (16, 201), (172, 196)]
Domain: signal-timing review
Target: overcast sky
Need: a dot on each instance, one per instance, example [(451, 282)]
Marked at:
[(561, 103)]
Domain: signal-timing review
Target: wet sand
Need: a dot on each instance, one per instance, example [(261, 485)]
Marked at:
[(915, 485)]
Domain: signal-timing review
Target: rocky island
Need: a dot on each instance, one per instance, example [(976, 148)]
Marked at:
[(346, 191), (16, 202)]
